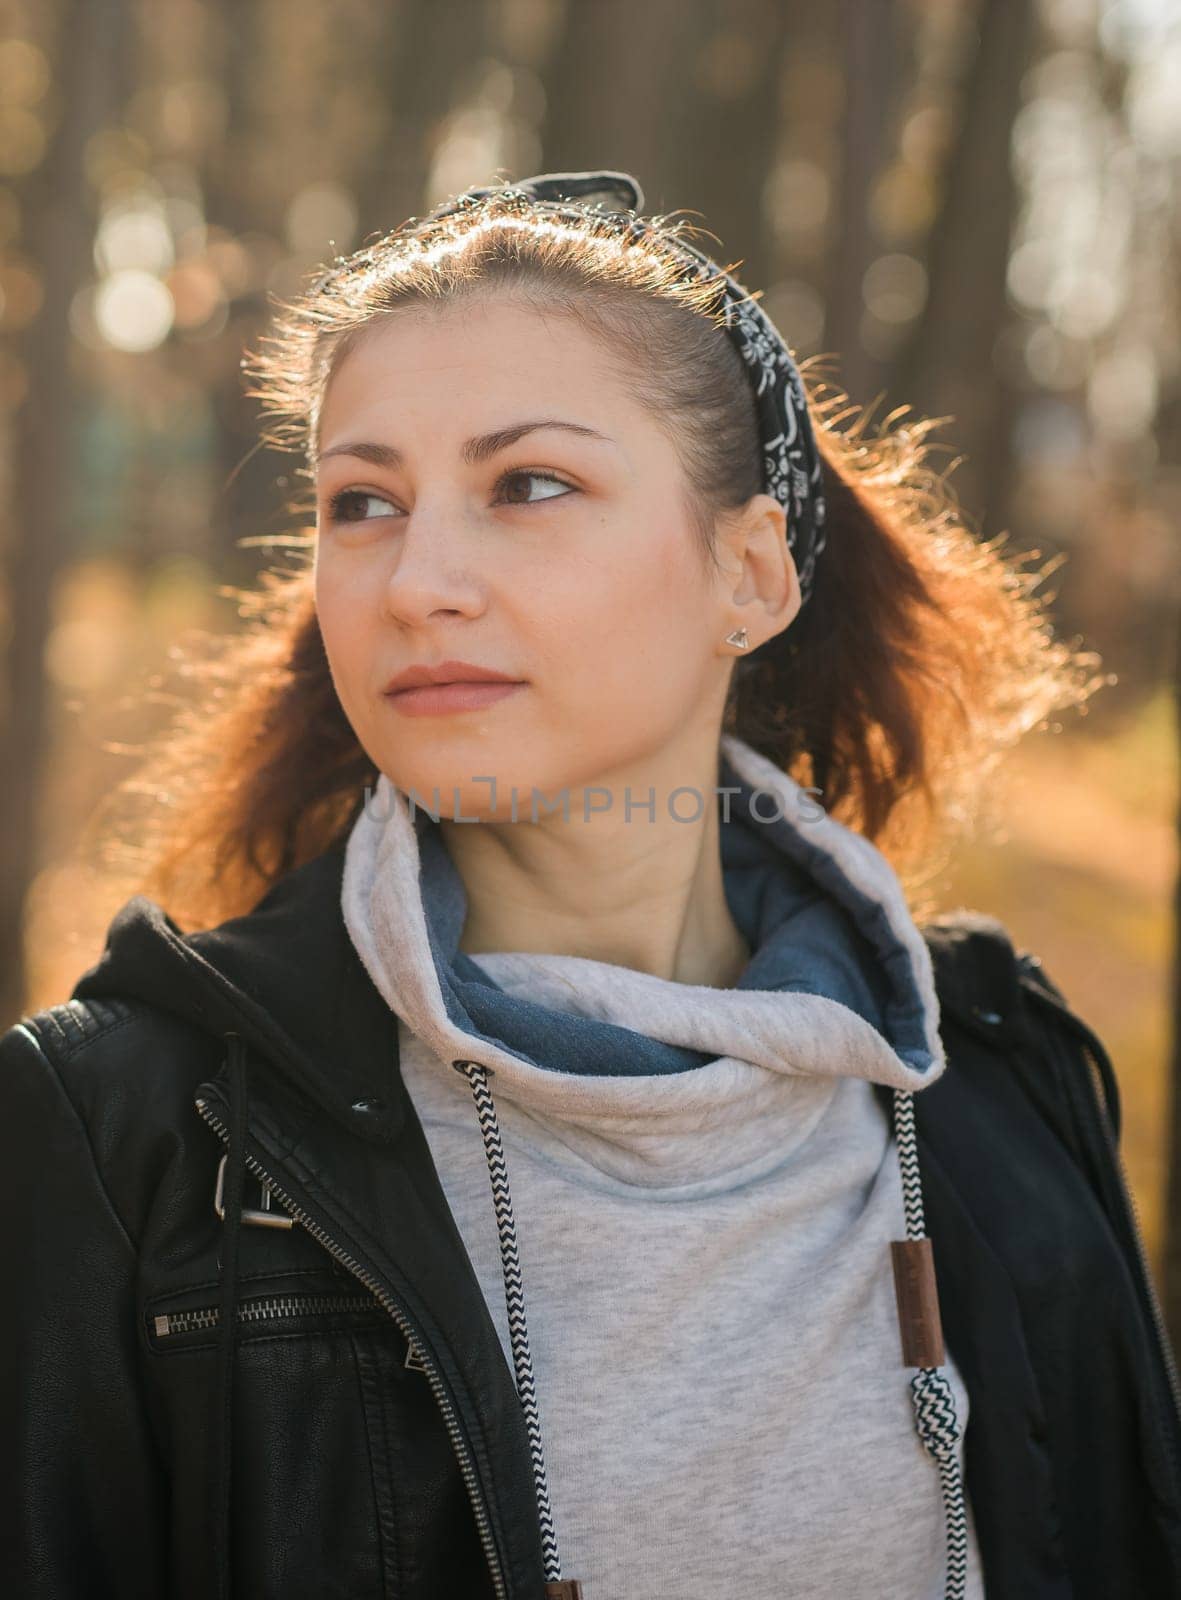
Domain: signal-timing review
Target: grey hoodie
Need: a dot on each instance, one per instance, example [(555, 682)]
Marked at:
[(679, 1202)]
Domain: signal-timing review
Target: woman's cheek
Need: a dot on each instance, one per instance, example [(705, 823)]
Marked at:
[(348, 650)]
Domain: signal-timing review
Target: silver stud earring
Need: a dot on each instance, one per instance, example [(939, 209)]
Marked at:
[(739, 638)]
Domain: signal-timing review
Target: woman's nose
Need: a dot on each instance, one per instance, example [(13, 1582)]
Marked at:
[(429, 570)]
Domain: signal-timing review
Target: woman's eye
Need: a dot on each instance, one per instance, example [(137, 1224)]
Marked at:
[(342, 506), (519, 475)]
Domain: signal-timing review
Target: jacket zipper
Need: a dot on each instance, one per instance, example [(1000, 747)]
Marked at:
[(1124, 1187), (284, 1307), (406, 1324)]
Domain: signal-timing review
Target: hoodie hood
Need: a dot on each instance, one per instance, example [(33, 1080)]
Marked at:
[(839, 981)]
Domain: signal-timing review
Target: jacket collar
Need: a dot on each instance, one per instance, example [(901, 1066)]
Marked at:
[(286, 977)]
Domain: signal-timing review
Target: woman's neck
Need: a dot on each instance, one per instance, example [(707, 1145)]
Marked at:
[(638, 893)]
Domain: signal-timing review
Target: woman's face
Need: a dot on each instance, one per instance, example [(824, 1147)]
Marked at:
[(449, 530)]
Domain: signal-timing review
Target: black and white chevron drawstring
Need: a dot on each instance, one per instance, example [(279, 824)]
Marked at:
[(556, 1588), (934, 1401)]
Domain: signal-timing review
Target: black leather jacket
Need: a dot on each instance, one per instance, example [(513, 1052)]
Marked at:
[(333, 1415)]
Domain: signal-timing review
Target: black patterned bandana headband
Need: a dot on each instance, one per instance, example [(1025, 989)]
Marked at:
[(792, 470)]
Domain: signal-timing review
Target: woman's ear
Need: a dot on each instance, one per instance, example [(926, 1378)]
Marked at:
[(761, 586)]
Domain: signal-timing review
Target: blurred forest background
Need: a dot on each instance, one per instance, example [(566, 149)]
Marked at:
[(973, 204)]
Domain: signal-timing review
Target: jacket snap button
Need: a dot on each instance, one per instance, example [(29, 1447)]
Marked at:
[(365, 1108), (991, 1017)]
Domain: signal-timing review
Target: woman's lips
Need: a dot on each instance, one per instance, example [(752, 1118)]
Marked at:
[(443, 699)]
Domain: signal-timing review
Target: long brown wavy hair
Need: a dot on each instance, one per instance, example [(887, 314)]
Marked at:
[(922, 655)]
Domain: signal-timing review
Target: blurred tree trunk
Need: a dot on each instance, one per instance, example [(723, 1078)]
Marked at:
[(722, 165), (93, 57), (868, 36), (243, 500), (946, 367), (1171, 1244), (620, 92), (686, 97), (431, 61)]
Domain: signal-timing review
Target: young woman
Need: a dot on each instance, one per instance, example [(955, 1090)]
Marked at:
[(555, 1160)]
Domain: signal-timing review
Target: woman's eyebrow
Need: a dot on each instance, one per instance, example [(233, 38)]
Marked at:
[(473, 451)]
